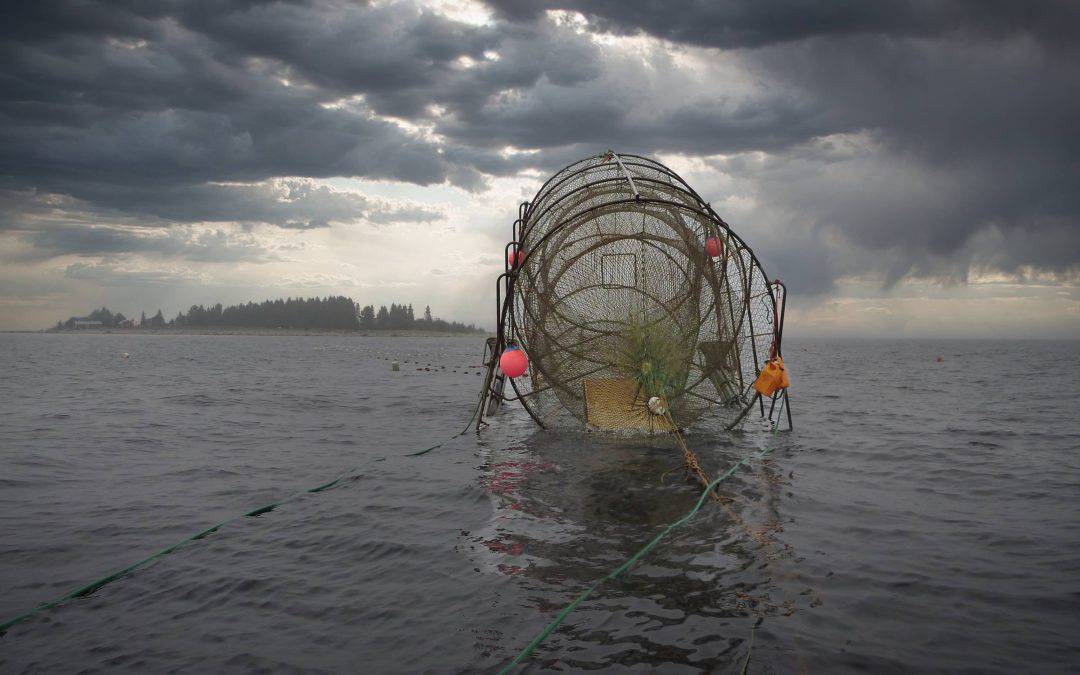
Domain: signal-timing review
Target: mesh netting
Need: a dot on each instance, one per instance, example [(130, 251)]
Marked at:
[(617, 301)]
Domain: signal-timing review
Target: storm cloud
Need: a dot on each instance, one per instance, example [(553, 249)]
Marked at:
[(846, 140), (930, 136)]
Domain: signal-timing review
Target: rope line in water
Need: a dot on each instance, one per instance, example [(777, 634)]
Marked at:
[(614, 574), (93, 586)]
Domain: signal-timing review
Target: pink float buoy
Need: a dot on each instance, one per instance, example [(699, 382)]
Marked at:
[(714, 247), (515, 258), (513, 362)]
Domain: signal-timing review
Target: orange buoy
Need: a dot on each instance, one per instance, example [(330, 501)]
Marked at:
[(773, 376)]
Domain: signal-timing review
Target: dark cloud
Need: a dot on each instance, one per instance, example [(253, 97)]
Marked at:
[(961, 137), (967, 110), (217, 246), (288, 203), (138, 95), (957, 118), (746, 23), (114, 274)]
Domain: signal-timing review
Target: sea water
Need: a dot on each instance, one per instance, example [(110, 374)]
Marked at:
[(922, 517)]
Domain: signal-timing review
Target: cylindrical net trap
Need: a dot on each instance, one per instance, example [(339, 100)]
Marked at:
[(630, 295)]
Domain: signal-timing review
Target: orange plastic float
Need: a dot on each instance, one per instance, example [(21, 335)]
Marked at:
[(774, 376)]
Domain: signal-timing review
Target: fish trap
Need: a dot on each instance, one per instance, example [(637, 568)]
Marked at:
[(629, 294)]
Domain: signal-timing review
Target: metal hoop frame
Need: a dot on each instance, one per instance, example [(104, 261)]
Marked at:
[(524, 241)]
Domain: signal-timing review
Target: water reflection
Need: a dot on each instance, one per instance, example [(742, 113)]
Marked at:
[(570, 507)]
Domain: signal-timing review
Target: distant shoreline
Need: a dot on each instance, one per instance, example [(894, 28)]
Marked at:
[(269, 332)]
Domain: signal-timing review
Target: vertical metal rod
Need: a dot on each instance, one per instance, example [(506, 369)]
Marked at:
[(489, 361), (787, 400), (523, 210), (499, 312), (783, 311), (633, 188), (780, 339), (738, 419), (507, 265), (748, 280)]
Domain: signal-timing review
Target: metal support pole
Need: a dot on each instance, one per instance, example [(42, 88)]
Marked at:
[(787, 406), (633, 188), (738, 419)]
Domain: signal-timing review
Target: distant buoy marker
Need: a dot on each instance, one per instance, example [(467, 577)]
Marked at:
[(395, 366)]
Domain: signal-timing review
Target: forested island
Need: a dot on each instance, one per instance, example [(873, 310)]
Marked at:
[(334, 313)]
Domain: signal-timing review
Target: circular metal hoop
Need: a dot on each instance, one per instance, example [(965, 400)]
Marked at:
[(614, 246)]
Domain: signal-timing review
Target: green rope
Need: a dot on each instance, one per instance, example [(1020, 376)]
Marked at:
[(536, 641), (93, 586), (750, 647)]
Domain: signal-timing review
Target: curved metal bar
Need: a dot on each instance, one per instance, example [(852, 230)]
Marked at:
[(561, 177), (709, 208), (738, 268), (557, 174), (504, 309), (709, 214), (565, 174), (649, 200), (507, 267), (588, 186), (532, 217), (780, 320), (677, 226), (652, 241)]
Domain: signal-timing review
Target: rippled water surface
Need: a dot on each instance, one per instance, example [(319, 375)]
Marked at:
[(922, 517)]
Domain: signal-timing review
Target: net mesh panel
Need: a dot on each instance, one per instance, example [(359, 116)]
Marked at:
[(603, 263)]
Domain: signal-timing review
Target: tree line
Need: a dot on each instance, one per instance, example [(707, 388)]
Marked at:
[(332, 313), (109, 320), (398, 317), (337, 313)]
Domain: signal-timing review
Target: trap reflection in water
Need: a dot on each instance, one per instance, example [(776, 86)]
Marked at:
[(570, 507)]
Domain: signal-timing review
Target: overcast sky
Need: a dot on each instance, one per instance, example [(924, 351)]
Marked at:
[(907, 168)]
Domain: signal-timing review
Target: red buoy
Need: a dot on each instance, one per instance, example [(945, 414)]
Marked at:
[(714, 247), (513, 362), (516, 259)]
